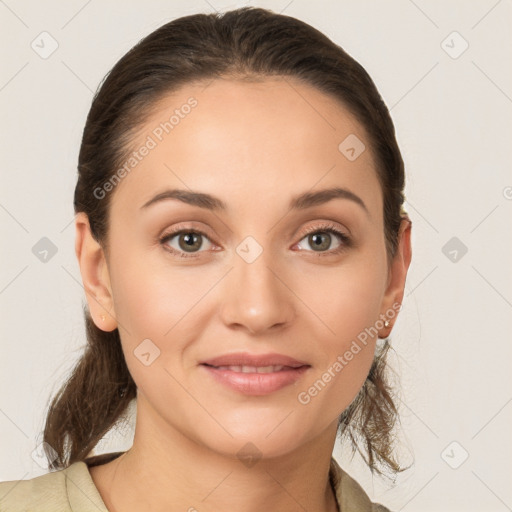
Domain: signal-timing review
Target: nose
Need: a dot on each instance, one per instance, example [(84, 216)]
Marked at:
[(256, 296)]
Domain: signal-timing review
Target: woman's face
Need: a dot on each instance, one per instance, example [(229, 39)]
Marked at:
[(264, 276)]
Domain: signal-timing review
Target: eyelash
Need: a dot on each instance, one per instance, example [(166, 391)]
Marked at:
[(346, 241)]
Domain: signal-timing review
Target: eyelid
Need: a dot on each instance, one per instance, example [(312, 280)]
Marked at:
[(192, 226), (325, 225)]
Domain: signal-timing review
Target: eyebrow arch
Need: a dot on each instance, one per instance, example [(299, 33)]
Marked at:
[(301, 202), (309, 199), (200, 199)]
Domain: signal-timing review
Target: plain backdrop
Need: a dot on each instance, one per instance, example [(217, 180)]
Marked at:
[(443, 69)]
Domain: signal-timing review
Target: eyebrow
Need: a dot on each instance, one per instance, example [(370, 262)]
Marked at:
[(301, 202)]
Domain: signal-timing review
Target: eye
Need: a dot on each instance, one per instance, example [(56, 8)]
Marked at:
[(188, 242), (320, 239)]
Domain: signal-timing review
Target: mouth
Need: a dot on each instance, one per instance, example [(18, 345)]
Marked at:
[(255, 369), (255, 375)]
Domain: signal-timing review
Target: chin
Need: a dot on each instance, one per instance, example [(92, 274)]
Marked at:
[(257, 442), (251, 450)]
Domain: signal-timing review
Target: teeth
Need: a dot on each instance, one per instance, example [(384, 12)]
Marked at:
[(268, 369), (252, 369)]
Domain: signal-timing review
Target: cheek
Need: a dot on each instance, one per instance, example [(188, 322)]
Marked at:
[(348, 302), (165, 305), (347, 299), (150, 295), (348, 355)]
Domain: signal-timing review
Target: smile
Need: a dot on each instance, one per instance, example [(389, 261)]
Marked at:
[(255, 380)]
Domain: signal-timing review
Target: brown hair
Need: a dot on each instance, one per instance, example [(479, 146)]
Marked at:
[(247, 43)]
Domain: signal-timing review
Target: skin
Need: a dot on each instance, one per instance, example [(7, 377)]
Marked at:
[(255, 146)]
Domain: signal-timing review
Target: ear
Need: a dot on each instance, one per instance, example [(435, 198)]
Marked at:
[(95, 276), (394, 294)]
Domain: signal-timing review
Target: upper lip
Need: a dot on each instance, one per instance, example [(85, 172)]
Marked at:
[(246, 359)]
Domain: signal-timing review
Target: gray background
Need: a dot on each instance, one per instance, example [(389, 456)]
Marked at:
[(452, 111)]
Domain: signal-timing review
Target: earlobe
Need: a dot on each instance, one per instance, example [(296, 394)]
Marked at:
[(394, 295), (95, 275)]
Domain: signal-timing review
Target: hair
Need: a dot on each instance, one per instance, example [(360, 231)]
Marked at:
[(248, 44)]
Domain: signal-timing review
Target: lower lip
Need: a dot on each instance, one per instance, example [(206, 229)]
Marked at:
[(256, 383)]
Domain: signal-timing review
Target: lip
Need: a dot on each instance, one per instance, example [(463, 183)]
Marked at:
[(255, 384), (246, 359)]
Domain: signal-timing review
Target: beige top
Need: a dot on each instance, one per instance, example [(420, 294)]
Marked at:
[(73, 490)]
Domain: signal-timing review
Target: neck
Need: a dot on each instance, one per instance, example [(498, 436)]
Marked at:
[(165, 470)]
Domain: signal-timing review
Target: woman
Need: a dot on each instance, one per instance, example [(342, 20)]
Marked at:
[(244, 251)]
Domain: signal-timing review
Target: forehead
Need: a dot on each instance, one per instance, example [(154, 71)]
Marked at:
[(273, 139)]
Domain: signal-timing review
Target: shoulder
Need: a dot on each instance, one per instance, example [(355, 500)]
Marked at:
[(49, 489), (66, 490), (350, 495)]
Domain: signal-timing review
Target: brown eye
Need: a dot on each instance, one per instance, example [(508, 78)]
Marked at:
[(190, 241), (184, 242), (320, 240)]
